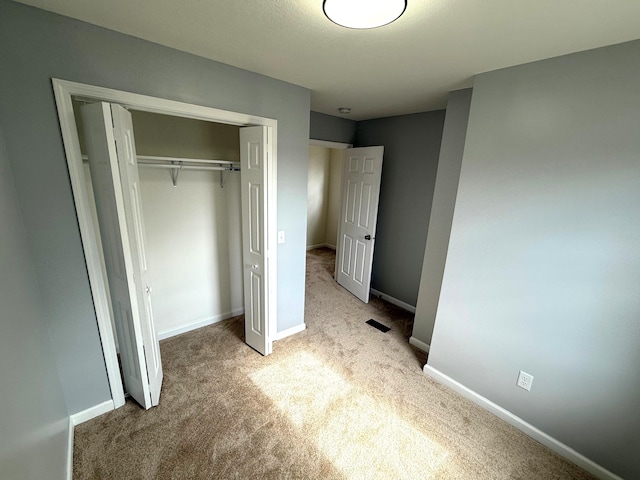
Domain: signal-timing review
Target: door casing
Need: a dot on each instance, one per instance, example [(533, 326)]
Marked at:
[(65, 91)]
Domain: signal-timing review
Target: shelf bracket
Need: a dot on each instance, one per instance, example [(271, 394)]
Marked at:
[(175, 171), (223, 177)]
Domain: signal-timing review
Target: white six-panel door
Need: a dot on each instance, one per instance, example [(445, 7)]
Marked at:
[(128, 162), (358, 216), (112, 162), (254, 158)]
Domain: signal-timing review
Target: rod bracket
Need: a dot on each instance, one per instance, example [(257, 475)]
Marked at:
[(175, 172), (223, 176)]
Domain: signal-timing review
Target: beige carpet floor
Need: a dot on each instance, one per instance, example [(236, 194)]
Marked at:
[(340, 400)]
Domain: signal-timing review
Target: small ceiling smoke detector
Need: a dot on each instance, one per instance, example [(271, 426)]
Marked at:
[(344, 110), (363, 13)]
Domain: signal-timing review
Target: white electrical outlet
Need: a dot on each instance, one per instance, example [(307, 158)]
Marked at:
[(281, 236), (524, 380)]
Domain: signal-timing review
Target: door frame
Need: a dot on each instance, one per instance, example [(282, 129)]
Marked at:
[(64, 92), (328, 144)]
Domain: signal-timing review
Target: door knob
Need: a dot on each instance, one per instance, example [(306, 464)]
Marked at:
[(367, 237)]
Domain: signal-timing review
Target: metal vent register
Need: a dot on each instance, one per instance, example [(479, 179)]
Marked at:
[(378, 325)]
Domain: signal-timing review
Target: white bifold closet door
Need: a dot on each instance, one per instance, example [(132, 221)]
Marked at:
[(112, 156), (114, 173), (254, 157)]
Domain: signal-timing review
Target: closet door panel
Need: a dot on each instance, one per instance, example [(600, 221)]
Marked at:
[(134, 218), (253, 174), (105, 177), (114, 172)]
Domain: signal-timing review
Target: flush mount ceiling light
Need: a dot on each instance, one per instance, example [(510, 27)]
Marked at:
[(363, 13)]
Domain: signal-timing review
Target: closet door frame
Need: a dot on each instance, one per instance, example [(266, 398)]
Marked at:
[(65, 91)]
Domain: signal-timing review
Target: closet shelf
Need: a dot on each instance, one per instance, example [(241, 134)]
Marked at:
[(153, 158), (180, 166), (175, 164)]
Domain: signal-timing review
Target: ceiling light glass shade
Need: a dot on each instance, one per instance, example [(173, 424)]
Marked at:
[(363, 13)]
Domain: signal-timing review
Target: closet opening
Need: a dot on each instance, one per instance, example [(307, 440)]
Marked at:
[(324, 186), (324, 191), (200, 235), (189, 172)]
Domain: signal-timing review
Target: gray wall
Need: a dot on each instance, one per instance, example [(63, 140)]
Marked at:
[(442, 207), (37, 45), (33, 417), (330, 128), (411, 148), (542, 272)]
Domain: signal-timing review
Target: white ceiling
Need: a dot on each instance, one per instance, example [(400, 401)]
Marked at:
[(406, 67)]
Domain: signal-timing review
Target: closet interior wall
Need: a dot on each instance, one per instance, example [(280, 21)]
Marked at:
[(193, 230), (324, 189)]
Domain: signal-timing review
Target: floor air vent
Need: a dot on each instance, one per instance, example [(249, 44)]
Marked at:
[(378, 325)]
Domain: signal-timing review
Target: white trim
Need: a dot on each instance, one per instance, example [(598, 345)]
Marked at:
[(320, 245), (419, 344), (172, 332), (92, 412), (327, 144), (547, 440), (291, 331), (394, 301), (69, 467), (162, 106), (64, 91), (272, 233)]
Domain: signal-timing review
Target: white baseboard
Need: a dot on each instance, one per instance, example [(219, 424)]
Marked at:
[(291, 331), (394, 301), (172, 332), (321, 245), (69, 472), (419, 344), (535, 433), (92, 412)]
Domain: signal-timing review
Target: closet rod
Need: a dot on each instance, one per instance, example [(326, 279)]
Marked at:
[(188, 160), (177, 164), (190, 167), (147, 159)]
